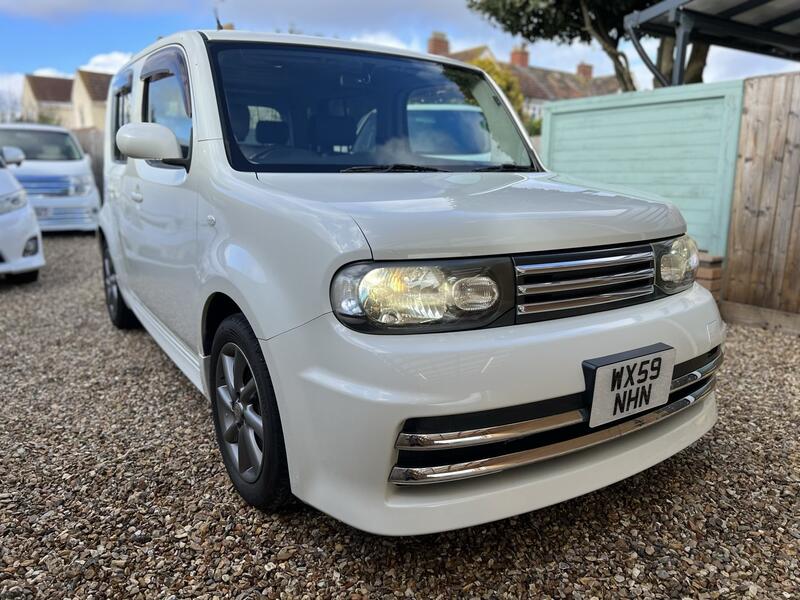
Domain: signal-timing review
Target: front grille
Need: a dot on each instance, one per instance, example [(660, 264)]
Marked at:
[(555, 285), (45, 185), (70, 213), (450, 448)]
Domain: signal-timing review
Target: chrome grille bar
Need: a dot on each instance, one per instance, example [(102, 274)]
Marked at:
[(584, 283), (583, 301), (584, 263), (497, 464), (37, 185)]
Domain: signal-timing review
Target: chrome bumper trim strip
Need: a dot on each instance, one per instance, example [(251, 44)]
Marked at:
[(486, 435), (488, 466)]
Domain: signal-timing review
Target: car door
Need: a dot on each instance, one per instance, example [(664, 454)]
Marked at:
[(120, 111), (161, 252)]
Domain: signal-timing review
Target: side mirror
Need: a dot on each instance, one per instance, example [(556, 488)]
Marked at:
[(149, 141), (13, 155)]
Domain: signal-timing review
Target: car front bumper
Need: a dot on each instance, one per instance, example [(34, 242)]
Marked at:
[(344, 397), (16, 228), (67, 213)]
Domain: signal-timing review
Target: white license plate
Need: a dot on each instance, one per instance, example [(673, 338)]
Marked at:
[(42, 212), (629, 383)]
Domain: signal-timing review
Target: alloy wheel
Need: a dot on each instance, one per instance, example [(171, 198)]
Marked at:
[(110, 284), (239, 412)]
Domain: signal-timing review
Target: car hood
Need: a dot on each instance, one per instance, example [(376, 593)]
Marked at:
[(430, 215), (53, 167)]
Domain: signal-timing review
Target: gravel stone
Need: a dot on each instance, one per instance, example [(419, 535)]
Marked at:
[(111, 486)]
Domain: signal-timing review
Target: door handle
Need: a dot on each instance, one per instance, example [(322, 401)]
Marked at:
[(137, 196)]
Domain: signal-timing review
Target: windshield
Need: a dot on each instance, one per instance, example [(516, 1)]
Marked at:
[(41, 144), (297, 108)]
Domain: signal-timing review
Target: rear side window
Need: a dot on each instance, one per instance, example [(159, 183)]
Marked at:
[(166, 95), (121, 108)]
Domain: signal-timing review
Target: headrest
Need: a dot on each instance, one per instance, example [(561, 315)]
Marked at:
[(334, 131), (240, 120), (272, 132)]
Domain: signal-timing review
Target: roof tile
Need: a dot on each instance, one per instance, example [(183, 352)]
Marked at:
[(50, 89), (96, 84)]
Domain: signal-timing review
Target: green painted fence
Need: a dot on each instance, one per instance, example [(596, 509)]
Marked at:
[(679, 143)]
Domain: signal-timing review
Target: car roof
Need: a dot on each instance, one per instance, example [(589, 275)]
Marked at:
[(33, 126), (294, 39)]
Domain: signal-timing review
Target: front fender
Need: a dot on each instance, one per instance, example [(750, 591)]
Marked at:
[(273, 255)]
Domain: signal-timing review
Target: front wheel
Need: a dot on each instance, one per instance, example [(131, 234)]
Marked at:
[(246, 418), (118, 311)]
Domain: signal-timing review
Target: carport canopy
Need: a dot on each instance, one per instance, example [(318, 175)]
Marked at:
[(770, 27)]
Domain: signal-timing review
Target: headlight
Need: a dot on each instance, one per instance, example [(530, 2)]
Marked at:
[(406, 297), (676, 264), (13, 201), (80, 185)]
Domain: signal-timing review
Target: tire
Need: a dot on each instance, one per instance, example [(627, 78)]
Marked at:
[(121, 315), (27, 277), (246, 418)]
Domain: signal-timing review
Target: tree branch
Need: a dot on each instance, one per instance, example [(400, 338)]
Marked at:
[(620, 60)]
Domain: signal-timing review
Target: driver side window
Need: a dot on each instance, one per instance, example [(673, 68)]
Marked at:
[(167, 100)]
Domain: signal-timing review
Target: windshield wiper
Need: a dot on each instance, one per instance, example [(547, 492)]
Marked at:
[(393, 168), (506, 167)]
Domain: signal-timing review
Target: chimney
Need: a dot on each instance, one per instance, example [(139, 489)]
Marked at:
[(519, 56), (585, 71), (438, 44)]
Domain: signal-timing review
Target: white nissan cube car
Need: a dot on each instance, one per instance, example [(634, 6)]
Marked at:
[(57, 176), (21, 253), (399, 316)]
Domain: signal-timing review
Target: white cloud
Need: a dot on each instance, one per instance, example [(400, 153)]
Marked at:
[(725, 64), (51, 72), (381, 38), (10, 95), (54, 8), (108, 62)]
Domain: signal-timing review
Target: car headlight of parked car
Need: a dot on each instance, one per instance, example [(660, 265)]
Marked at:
[(80, 185), (404, 297), (677, 261), (448, 295), (13, 201)]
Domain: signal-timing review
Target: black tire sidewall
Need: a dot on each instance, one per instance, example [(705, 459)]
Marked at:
[(122, 317), (271, 489)]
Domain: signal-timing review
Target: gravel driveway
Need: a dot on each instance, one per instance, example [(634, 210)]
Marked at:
[(111, 486)]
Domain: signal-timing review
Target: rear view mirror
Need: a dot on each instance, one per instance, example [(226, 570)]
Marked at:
[(149, 141), (13, 155)]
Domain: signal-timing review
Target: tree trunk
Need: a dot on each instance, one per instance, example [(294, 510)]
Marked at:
[(697, 63), (609, 46), (665, 59)]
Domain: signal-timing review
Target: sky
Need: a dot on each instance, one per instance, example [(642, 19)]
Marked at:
[(58, 36)]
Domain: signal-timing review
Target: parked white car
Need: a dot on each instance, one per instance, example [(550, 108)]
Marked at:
[(21, 252), (57, 175), (411, 341)]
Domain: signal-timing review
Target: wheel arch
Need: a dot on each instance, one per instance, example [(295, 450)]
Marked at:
[(217, 308)]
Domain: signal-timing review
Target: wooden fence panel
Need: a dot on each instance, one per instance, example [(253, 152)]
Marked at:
[(764, 242)]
